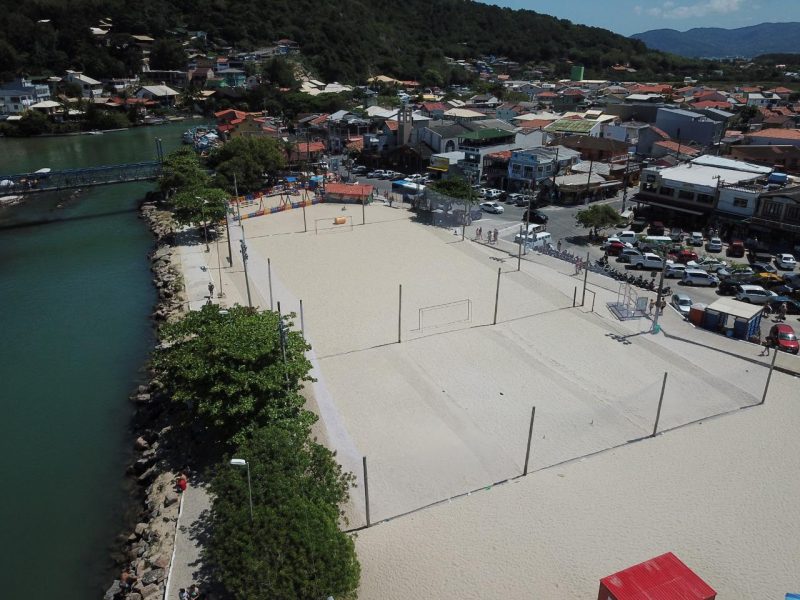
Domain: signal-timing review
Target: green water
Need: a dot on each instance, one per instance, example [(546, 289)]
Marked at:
[(75, 299)]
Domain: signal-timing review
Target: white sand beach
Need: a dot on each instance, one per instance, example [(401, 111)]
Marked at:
[(447, 410)]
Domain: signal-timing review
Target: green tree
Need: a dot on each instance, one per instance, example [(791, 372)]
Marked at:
[(250, 159), (293, 548), (182, 170), (33, 122), (455, 187), (598, 216), (167, 54), (199, 205), (226, 369)]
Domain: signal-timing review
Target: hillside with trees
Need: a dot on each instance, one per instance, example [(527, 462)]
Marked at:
[(346, 40)]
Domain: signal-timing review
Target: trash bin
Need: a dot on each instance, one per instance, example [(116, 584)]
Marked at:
[(696, 313)]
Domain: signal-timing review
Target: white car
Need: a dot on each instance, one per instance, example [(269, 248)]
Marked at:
[(613, 239), (493, 194), (674, 270), (755, 294), (492, 207), (785, 261), (699, 277), (707, 263), (714, 245), (696, 239), (682, 303), (648, 260)]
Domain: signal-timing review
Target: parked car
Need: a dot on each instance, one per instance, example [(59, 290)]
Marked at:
[(714, 245), (682, 303), (493, 194), (415, 178), (656, 228), (615, 247), (754, 294), (707, 263), (728, 287), (536, 217), (614, 240), (735, 249), (512, 198), (784, 338), (674, 271), (626, 254), (359, 170), (738, 273), (699, 277), (492, 207), (696, 239), (762, 267), (376, 174), (648, 260), (786, 262), (676, 233), (685, 256)]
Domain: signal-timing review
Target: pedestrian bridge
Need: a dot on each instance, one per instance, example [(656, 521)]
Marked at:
[(46, 180)]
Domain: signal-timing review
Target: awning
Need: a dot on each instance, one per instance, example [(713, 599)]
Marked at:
[(670, 207), (440, 169), (731, 306)]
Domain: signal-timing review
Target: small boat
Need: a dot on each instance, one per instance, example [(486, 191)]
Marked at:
[(43, 171)]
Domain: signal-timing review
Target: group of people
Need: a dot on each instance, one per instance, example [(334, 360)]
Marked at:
[(780, 312), (193, 593), (491, 235), (662, 304)]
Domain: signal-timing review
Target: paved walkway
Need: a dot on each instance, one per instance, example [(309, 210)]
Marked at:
[(187, 564)]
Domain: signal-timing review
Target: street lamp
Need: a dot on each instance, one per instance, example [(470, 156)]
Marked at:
[(203, 212), (240, 462)]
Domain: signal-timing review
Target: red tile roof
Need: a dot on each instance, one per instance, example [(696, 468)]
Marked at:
[(573, 93), (777, 134), (391, 125), (780, 90), (677, 148), (664, 577), (659, 132), (535, 123), (503, 155), (431, 106), (349, 189), (318, 120), (660, 88), (711, 104), (546, 94), (751, 90)]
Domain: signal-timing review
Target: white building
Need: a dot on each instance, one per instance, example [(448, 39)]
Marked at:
[(90, 88)]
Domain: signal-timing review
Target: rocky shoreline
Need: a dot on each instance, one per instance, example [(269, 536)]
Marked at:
[(147, 550)]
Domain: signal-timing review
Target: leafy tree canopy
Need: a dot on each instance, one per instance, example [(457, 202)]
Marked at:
[(182, 170), (199, 205), (455, 187), (293, 547), (598, 216), (227, 370), (250, 159)]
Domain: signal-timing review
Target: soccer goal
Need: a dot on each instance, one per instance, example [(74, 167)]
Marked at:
[(449, 313), (331, 224)]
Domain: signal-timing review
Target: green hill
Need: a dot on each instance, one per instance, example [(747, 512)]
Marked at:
[(345, 40)]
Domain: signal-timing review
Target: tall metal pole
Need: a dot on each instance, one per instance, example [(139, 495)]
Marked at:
[(466, 208), (519, 247), (400, 314), (769, 376), (589, 180), (658, 294), (363, 213), (228, 234), (269, 278), (530, 436), (220, 293), (585, 277), (246, 279), (249, 490), (305, 225), (302, 319), (660, 402), (555, 170), (496, 296), (366, 488), (625, 181)]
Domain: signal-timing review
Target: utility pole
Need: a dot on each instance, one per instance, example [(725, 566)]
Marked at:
[(678, 153), (660, 291), (625, 181), (589, 180)]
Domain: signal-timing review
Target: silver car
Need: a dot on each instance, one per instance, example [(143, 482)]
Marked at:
[(682, 303)]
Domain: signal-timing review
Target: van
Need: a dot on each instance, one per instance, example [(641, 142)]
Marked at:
[(627, 236), (539, 240), (654, 241), (754, 294), (699, 277)]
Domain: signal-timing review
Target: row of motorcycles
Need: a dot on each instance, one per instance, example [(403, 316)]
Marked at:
[(646, 283)]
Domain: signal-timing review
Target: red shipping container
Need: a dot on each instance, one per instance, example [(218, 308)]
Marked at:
[(664, 577)]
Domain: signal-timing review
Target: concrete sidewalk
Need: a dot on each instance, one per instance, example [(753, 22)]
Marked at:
[(191, 535)]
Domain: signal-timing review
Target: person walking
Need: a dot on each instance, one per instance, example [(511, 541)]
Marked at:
[(652, 305), (782, 309), (558, 245), (767, 344), (494, 236)]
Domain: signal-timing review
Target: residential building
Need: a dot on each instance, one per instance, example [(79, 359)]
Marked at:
[(476, 144), (20, 95), (90, 88), (692, 188), (687, 126), (162, 94), (785, 158), (778, 213), (539, 164), (343, 126), (595, 148), (775, 136), (574, 127)]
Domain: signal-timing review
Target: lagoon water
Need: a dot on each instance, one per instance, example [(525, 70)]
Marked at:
[(75, 299)]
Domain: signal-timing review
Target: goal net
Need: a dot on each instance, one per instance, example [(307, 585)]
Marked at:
[(440, 315)]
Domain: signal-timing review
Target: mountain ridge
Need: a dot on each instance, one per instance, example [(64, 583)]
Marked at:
[(717, 42)]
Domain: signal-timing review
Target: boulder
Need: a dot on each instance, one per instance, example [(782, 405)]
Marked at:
[(149, 591), (153, 576), (161, 561), (170, 498), (148, 476), (141, 444), (111, 592), (133, 596), (140, 529)]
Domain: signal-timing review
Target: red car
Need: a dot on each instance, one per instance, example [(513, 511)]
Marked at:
[(783, 337), (614, 248), (684, 256), (735, 249)]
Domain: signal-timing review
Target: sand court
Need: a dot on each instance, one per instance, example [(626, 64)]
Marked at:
[(448, 409)]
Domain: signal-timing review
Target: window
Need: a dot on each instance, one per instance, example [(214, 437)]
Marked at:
[(705, 199), (740, 202), (666, 191), (685, 195), (771, 209), (516, 169), (792, 214), (528, 173)]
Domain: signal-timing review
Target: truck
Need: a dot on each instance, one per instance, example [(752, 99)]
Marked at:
[(648, 260)]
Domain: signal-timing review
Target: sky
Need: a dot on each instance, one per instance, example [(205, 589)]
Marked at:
[(635, 16)]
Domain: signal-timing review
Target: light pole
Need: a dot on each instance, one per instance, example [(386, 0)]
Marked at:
[(203, 213), (240, 462), (625, 181), (655, 328)]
